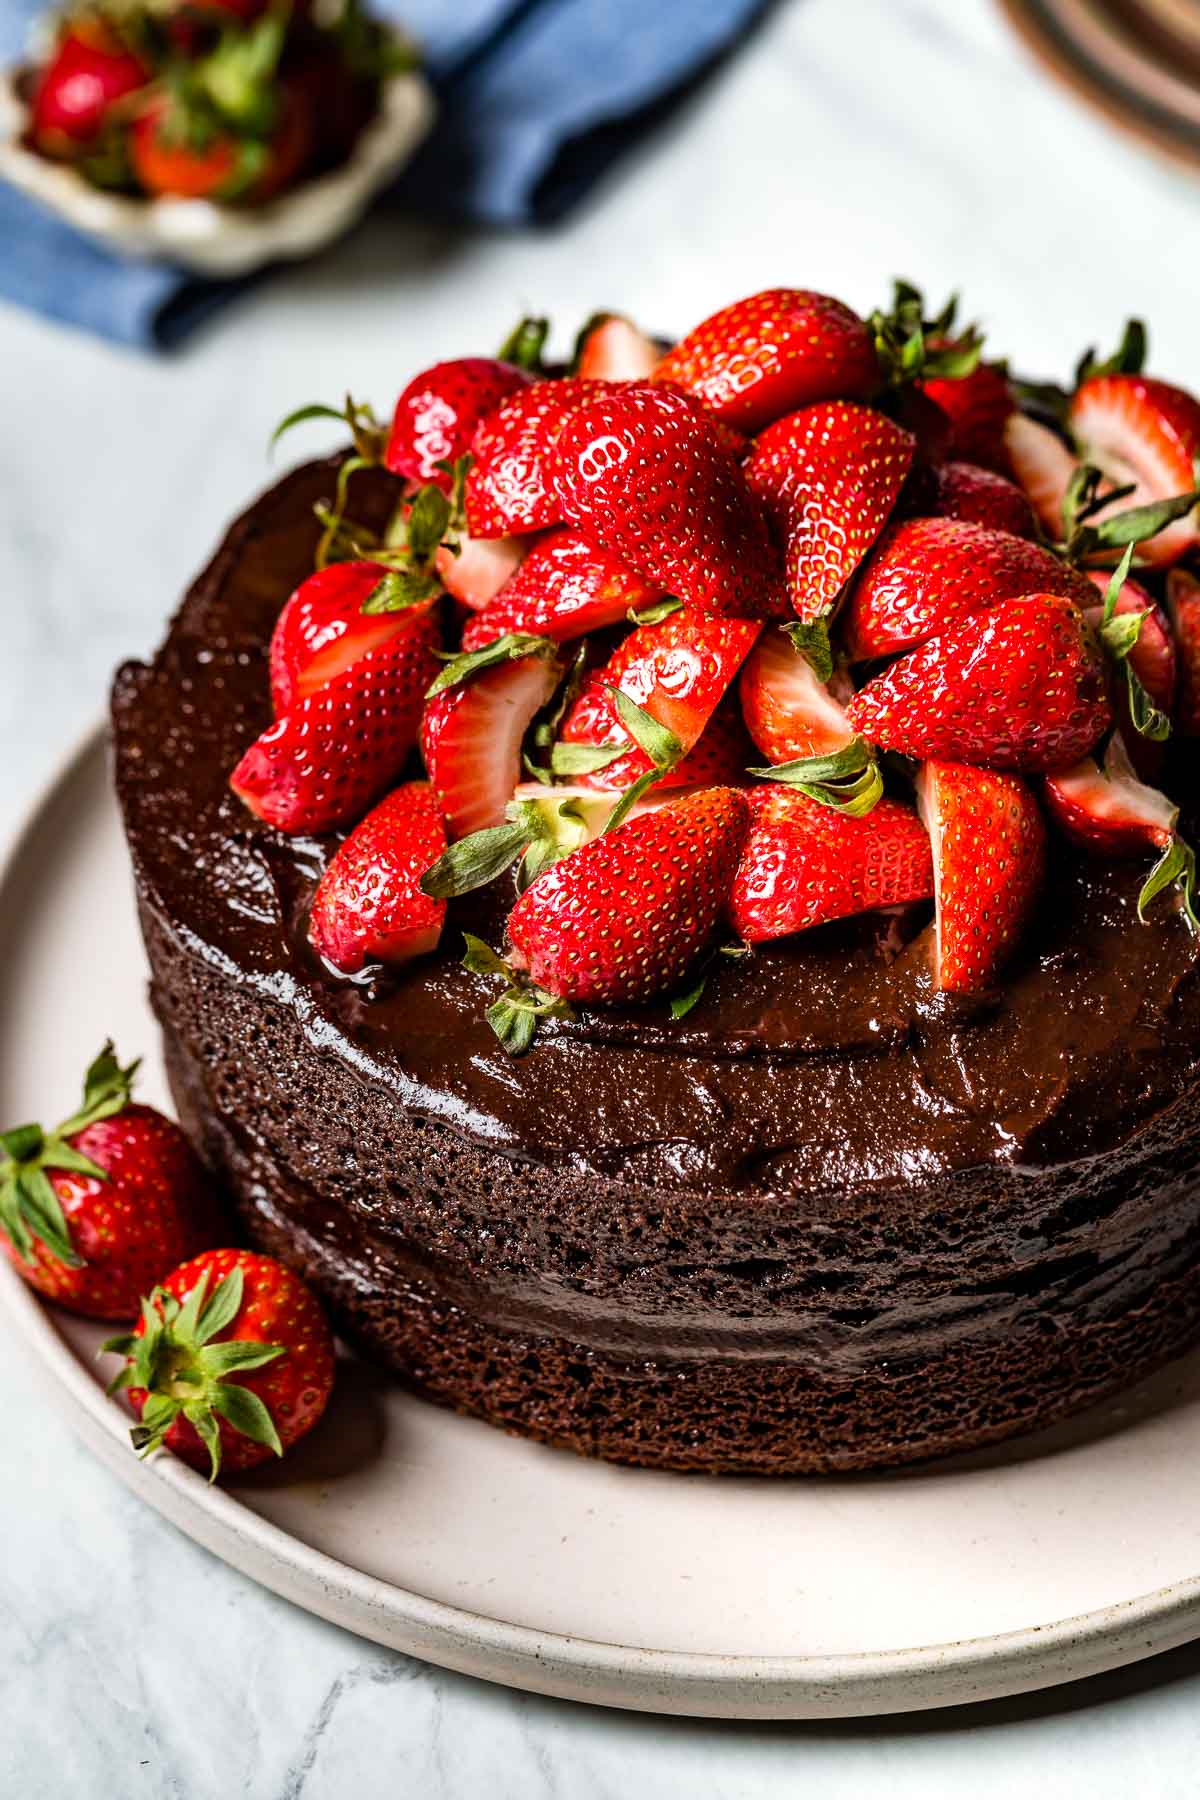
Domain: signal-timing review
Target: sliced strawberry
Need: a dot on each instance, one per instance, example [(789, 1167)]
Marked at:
[(789, 712), (471, 739), (805, 864), (1183, 607), (642, 472), (766, 355), (330, 755), (1145, 432), (927, 574), (613, 349), (1042, 466), (479, 568), (322, 630), (963, 490), (828, 478), (978, 406), (368, 905), (1018, 687), (565, 588), (508, 488), (989, 854), (1108, 810), (437, 415), (720, 757)]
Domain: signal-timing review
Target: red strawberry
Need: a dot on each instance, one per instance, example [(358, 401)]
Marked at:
[(613, 349), (963, 490), (805, 863), (471, 739), (928, 574), (720, 757), (978, 406), (330, 755), (828, 477), (508, 486), (1143, 431), (625, 917), (1152, 658), (1183, 607), (96, 1212), (677, 671), (1018, 687), (1042, 467), (368, 906), (168, 158), (437, 415), (477, 570), (230, 1362), (790, 713), (1109, 811), (766, 355), (323, 630), (989, 854), (642, 473), (88, 72), (565, 588)]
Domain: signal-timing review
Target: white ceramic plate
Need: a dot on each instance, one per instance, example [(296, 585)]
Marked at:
[(224, 240), (994, 1574)]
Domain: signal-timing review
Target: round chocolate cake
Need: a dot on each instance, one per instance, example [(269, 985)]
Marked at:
[(830, 1219)]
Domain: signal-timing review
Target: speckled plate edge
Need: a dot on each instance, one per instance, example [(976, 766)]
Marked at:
[(683, 1683)]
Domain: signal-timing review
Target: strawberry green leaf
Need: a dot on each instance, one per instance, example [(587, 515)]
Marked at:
[(1141, 522), (630, 798), (510, 648), (399, 589), (655, 612), (1147, 719), (584, 759), (1175, 867), (1112, 592), (246, 1413), (43, 1213), (428, 519), (474, 861), (512, 1023), (1129, 358), (481, 959), (525, 343), (660, 745), (682, 1004), (849, 780), (222, 1308), (811, 639)]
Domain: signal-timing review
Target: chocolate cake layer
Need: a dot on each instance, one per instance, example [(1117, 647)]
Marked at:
[(828, 1220)]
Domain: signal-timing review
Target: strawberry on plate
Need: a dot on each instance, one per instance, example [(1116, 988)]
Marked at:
[(230, 1362), (475, 570), (438, 413), (323, 630), (565, 587), (474, 726), (805, 864), (1042, 466), (641, 472), (369, 906), (771, 353), (1145, 432), (90, 69), (963, 490), (790, 712), (989, 854), (95, 1212), (1183, 608), (978, 405), (1020, 686), (828, 478), (323, 762), (508, 485), (1107, 810), (611, 348)]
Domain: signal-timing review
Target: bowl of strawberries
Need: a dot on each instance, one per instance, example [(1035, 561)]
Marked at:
[(217, 134)]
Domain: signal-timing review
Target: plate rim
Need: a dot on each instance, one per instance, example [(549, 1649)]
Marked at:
[(691, 1683)]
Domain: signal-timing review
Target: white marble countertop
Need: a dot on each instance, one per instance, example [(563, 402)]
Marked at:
[(855, 139)]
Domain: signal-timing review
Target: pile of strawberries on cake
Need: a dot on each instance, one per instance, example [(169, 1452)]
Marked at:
[(807, 616)]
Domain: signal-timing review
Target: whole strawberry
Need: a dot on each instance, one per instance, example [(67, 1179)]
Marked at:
[(230, 1362), (90, 70), (94, 1213), (437, 414), (963, 490), (368, 905), (508, 486), (989, 853), (978, 405)]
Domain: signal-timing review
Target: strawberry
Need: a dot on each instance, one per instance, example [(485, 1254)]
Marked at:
[(1042, 467), (1108, 810), (474, 725), (1152, 657), (720, 756), (230, 1362), (323, 762), (91, 68), (564, 588), (322, 630), (805, 864), (611, 348), (167, 159), (438, 413), (627, 915), (989, 854), (94, 1213), (928, 574), (476, 569), (1018, 687), (789, 711), (1141, 431), (963, 490), (1183, 607), (508, 486), (641, 472), (828, 477), (978, 406), (767, 355), (677, 671), (368, 905)]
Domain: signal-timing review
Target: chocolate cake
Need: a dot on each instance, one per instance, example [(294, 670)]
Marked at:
[(829, 1220)]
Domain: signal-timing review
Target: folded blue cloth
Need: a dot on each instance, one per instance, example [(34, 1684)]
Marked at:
[(536, 98)]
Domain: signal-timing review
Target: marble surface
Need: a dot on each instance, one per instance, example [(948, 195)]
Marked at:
[(853, 140)]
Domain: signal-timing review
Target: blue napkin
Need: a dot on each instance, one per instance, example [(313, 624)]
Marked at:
[(536, 98)]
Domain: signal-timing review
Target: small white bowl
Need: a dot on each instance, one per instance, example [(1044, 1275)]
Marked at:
[(202, 234)]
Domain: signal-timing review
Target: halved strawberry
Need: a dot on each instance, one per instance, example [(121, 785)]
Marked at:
[(766, 355), (963, 490), (368, 905), (927, 574), (471, 737), (1183, 608), (989, 855), (978, 406), (437, 415), (613, 349), (1108, 810), (1020, 686), (323, 762), (1042, 466), (789, 711), (476, 571), (641, 472), (508, 487), (1145, 432), (323, 630), (828, 478), (805, 864), (565, 588)]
